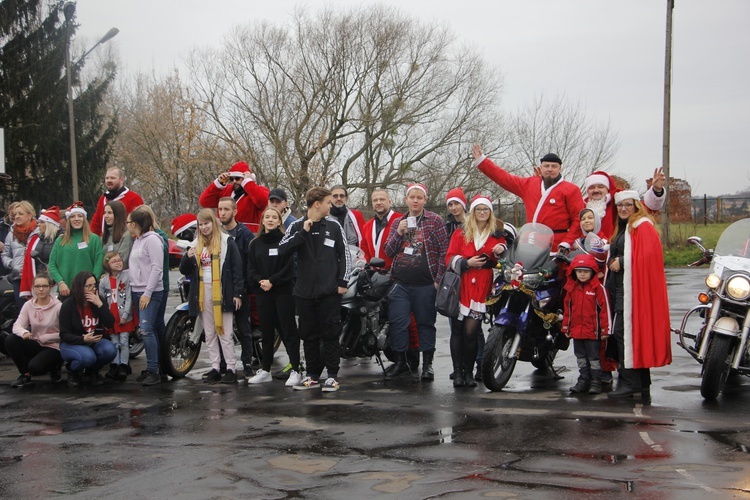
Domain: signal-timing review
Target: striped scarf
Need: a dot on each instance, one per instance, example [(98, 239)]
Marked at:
[(215, 290)]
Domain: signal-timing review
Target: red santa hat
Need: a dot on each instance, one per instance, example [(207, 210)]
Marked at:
[(183, 222), (456, 194), (416, 185), (51, 215), (626, 195), (600, 178), (481, 199), (76, 208), (239, 169)]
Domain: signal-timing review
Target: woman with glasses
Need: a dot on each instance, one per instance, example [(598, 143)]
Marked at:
[(83, 319), (472, 253), (77, 250), (637, 289), (146, 269), (35, 345)]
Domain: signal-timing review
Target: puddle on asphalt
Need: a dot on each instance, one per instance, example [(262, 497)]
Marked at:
[(725, 438)]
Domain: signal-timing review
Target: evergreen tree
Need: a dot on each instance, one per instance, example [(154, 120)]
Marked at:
[(34, 112)]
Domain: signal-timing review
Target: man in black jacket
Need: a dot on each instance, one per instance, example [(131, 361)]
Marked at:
[(227, 212), (322, 277)]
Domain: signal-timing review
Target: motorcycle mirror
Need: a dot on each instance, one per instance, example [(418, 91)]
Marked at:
[(695, 240)]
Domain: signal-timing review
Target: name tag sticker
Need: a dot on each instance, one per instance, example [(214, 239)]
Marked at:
[(409, 251), (110, 248), (273, 251), (329, 242), (82, 245)]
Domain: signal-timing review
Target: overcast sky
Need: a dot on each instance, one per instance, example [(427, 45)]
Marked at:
[(606, 54)]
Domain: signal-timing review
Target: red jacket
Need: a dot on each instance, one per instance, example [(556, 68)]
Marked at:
[(373, 245), (585, 307), (250, 205), (129, 198), (556, 207)]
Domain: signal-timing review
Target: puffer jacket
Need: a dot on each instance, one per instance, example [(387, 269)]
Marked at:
[(585, 307)]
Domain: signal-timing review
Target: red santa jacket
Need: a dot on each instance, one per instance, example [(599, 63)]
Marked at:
[(129, 198), (585, 308), (250, 205), (373, 245), (556, 207)]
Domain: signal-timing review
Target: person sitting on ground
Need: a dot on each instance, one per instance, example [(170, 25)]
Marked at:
[(35, 343)]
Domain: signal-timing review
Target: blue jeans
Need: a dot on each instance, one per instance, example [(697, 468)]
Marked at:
[(92, 356), (404, 300), (161, 328), (147, 319)]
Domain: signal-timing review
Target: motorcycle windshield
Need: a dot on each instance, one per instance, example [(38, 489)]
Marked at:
[(532, 246), (733, 249)]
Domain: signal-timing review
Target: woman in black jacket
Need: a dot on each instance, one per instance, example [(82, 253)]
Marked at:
[(215, 265), (82, 320), (271, 277)]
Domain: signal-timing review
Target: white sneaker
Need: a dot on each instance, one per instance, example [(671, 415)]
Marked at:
[(330, 385), (260, 377), (294, 379)]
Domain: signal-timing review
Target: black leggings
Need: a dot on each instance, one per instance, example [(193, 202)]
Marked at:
[(31, 357), (464, 334), (277, 312)]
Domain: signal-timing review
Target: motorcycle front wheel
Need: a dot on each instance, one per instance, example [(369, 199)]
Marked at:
[(179, 353), (716, 367), (498, 362), (135, 343)]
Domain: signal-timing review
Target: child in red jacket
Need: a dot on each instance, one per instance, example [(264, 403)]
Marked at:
[(586, 321)]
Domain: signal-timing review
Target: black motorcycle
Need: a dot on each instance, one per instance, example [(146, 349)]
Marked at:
[(524, 306), (8, 310), (364, 314)]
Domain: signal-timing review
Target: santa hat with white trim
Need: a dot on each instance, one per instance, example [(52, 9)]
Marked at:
[(627, 195), (481, 199), (51, 216), (456, 194), (416, 185), (183, 223), (76, 208)]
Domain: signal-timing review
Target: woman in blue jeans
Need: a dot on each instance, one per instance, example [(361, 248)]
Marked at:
[(83, 318), (146, 269)]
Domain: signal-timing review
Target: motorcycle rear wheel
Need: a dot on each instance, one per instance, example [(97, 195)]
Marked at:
[(716, 367), (135, 342), (179, 354), (498, 362)]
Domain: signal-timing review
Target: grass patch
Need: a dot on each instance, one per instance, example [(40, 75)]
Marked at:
[(680, 253)]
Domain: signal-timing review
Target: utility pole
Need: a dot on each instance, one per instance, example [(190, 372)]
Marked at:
[(667, 116)]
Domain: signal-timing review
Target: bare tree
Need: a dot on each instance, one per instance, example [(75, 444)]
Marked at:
[(367, 97), (162, 145)]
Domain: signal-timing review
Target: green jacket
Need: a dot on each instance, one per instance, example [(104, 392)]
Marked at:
[(66, 261)]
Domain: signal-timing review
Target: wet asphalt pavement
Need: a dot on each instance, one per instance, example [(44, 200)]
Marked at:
[(406, 438)]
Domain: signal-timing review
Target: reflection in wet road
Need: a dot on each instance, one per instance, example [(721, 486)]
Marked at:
[(404, 438)]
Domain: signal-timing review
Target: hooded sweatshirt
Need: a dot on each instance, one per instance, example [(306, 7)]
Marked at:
[(146, 265), (42, 321)]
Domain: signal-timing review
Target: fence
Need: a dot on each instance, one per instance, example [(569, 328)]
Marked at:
[(707, 210)]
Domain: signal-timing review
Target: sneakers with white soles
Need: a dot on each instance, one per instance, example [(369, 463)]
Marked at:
[(306, 384), (260, 377), (294, 379), (330, 385)]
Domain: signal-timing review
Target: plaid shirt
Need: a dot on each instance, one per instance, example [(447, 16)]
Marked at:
[(436, 242)]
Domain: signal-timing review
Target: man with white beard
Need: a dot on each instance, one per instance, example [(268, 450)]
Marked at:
[(599, 194)]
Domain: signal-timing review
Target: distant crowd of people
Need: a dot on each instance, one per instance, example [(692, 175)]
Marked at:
[(84, 286)]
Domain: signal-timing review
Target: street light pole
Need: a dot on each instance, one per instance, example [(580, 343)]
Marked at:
[(69, 10)]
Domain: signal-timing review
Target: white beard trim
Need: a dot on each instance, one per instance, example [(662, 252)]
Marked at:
[(599, 207)]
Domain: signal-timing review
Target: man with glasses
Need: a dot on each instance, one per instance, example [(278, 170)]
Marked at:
[(351, 220), (239, 183)]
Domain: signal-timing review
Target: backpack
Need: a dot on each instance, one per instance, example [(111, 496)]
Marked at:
[(448, 294)]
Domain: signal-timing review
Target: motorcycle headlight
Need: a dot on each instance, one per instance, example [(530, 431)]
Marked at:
[(532, 280), (713, 281), (738, 287)]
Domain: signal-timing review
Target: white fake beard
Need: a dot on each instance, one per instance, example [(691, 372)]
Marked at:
[(598, 206)]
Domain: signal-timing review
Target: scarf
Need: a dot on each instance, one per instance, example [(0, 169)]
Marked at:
[(21, 234), (112, 195), (339, 213), (271, 237), (215, 290)]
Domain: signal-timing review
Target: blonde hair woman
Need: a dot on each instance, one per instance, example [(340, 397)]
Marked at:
[(215, 265), (15, 244)]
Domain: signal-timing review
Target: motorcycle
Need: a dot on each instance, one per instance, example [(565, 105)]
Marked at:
[(364, 314), (721, 343), (524, 304), (8, 310)]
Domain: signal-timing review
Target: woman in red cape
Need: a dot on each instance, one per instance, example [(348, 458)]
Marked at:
[(638, 294)]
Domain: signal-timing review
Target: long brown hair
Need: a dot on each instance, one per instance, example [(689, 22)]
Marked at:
[(639, 213), (119, 224), (85, 231)]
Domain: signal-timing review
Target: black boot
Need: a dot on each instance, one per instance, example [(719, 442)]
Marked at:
[(596, 386), (478, 376), (398, 368), (582, 386), (458, 376), (468, 375), (412, 357), (427, 371), (112, 373)]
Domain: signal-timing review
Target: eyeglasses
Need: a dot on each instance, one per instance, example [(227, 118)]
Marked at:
[(625, 205), (481, 210), (338, 196), (128, 222), (115, 261), (89, 286), (41, 287)]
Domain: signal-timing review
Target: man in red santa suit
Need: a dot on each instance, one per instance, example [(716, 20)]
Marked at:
[(114, 180), (548, 200), (375, 231), (600, 190), (239, 183)]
